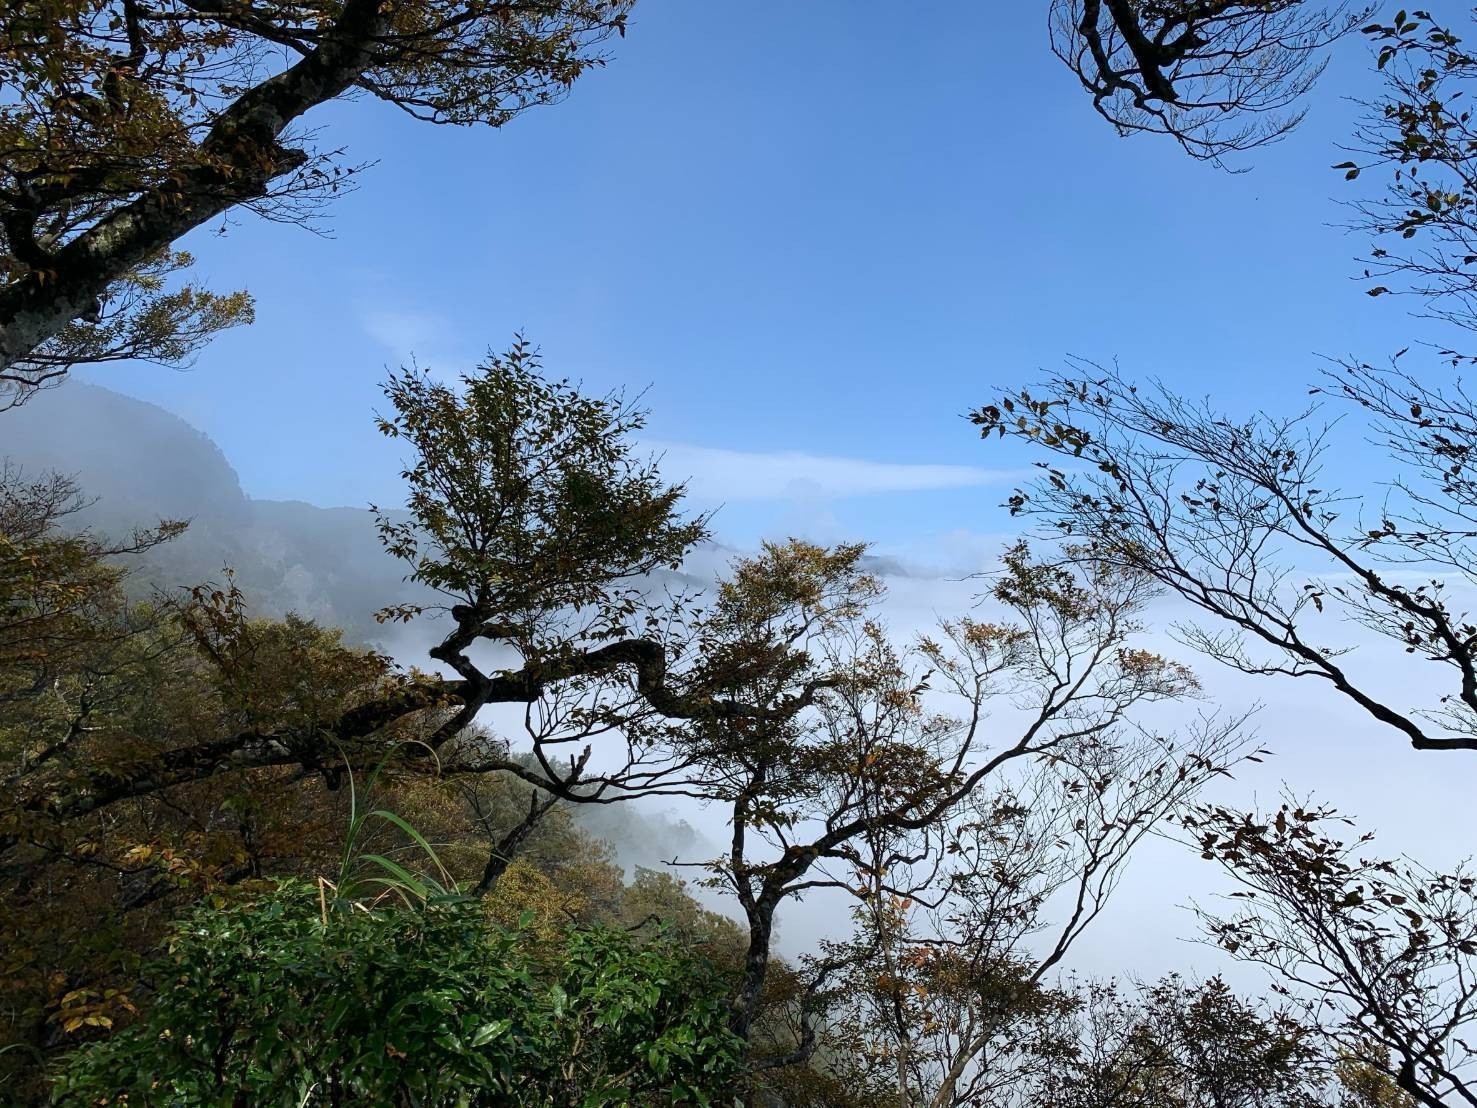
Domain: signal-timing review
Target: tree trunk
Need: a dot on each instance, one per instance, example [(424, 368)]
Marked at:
[(756, 966)]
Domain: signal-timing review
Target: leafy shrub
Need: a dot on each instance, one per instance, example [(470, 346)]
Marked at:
[(290, 1000)]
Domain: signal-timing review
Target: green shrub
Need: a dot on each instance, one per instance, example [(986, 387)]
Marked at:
[(288, 1001)]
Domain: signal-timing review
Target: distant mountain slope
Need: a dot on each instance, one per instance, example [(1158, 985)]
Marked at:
[(141, 463)]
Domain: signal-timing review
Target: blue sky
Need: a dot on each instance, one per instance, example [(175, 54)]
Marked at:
[(817, 235), (826, 228)]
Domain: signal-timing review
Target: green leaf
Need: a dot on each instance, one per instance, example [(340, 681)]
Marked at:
[(490, 1031)]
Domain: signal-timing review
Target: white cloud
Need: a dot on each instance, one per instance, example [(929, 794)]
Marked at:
[(424, 338), (402, 333), (717, 475)]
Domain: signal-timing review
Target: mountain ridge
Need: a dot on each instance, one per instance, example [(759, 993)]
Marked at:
[(137, 463)]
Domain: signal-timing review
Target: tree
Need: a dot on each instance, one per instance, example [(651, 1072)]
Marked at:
[(1366, 1087), (1239, 518), (1419, 129), (1218, 77), (545, 564), (128, 124), (1177, 1045), (534, 523), (212, 748), (59, 593), (869, 764), (96, 685), (1382, 953), (1239, 515), (963, 924)]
